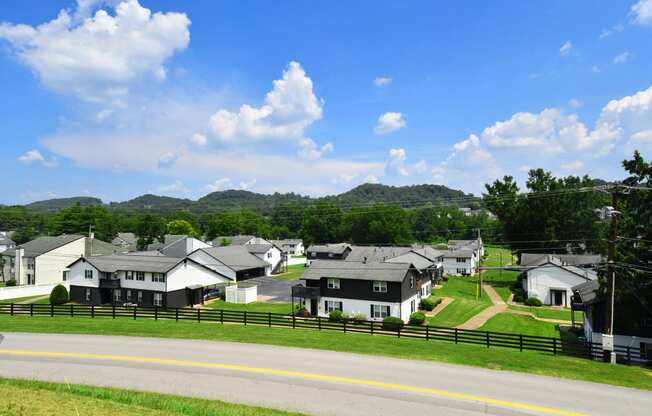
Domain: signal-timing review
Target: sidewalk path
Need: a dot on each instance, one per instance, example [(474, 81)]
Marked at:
[(480, 319)]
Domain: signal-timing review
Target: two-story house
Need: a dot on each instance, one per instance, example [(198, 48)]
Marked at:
[(338, 251), (140, 280), (291, 246), (270, 254), (459, 262), (374, 289)]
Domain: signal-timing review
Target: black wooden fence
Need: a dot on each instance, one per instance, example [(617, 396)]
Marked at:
[(626, 354)]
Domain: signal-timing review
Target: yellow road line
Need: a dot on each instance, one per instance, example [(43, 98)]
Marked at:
[(298, 374)]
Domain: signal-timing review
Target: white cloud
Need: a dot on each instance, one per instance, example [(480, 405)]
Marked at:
[(199, 139), (573, 166), (246, 185), (34, 156), (389, 122), (566, 48), (344, 178), (420, 167), (612, 31), (95, 58), (642, 12), (308, 149), (382, 81), (574, 103), (175, 188), (396, 165), (290, 107), (641, 141), (218, 185), (371, 179), (622, 58)]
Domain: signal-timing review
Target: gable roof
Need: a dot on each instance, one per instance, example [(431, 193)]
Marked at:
[(235, 257), (458, 253), (95, 247), (587, 292), (116, 262), (535, 259), (128, 238), (338, 248), (258, 248), (390, 272), (579, 271), (6, 241), (234, 240), (375, 253), (416, 259), (42, 245)]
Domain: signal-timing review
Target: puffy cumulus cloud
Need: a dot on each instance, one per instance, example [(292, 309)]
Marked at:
[(382, 81), (566, 48), (219, 185), (371, 179), (290, 107), (389, 122), (396, 165), (35, 156), (641, 141), (622, 58), (95, 58), (175, 188), (309, 150), (642, 12)]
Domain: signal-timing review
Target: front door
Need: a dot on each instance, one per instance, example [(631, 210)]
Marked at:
[(558, 297), (313, 307)]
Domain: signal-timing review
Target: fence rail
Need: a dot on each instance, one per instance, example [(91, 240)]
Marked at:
[(626, 354)]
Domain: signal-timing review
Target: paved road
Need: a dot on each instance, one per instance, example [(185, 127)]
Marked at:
[(309, 381)]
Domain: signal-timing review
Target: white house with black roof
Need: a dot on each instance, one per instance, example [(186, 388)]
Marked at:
[(552, 282), (291, 246), (140, 280), (374, 289), (269, 253), (235, 262)]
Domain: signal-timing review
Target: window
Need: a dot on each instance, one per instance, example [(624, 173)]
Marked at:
[(333, 283), (380, 286), (411, 282), (413, 306), (313, 254), (269, 255), (128, 296), (88, 295), (158, 277), (333, 305), (140, 296), (88, 274), (158, 299), (129, 275), (379, 311), (460, 260), (140, 276), (461, 271), (116, 295), (30, 266), (65, 275)]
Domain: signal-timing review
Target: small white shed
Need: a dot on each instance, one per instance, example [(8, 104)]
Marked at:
[(241, 293), (553, 283)]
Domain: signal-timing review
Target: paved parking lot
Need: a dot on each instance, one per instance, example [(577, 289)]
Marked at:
[(272, 290)]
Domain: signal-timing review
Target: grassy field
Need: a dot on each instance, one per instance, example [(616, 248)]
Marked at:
[(29, 299), (501, 280), (273, 307), (494, 358), (549, 313), (465, 305), (294, 272), (521, 324), (35, 398)]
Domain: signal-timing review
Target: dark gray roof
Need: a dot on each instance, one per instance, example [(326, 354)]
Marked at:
[(458, 253), (375, 253), (390, 272), (95, 247), (258, 248), (329, 248), (587, 274), (416, 259), (234, 240), (236, 257), (535, 259), (128, 238), (43, 245), (6, 241), (114, 263), (287, 242), (429, 252), (587, 292)]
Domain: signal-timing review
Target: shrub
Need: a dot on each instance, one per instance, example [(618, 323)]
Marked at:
[(10, 282), (59, 295), (337, 316), (428, 304), (533, 302), (518, 297), (392, 323), (417, 318), (445, 278), (359, 318), (302, 312)]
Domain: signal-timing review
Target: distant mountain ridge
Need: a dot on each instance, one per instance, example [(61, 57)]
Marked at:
[(412, 196)]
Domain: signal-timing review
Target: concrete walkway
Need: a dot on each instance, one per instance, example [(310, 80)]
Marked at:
[(445, 301), (480, 319)]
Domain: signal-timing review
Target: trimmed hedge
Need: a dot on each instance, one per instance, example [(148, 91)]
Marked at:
[(392, 323), (428, 304), (533, 302), (10, 282), (417, 318), (59, 295), (337, 316)]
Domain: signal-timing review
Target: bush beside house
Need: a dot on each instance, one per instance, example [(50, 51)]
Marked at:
[(417, 318), (59, 295)]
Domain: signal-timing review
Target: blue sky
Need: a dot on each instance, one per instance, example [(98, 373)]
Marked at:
[(118, 98)]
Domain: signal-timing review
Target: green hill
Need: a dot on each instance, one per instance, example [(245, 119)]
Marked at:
[(60, 203)]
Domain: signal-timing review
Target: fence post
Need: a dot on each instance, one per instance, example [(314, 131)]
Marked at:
[(294, 320), (176, 314), (520, 342), (72, 311), (344, 325), (31, 309), (398, 331), (156, 313), (92, 311), (455, 335), (269, 319), (487, 336), (319, 323), (51, 310), (198, 315), (135, 313), (11, 309), (554, 346), (371, 325), (629, 355), (113, 309), (427, 334), (221, 316), (245, 318)]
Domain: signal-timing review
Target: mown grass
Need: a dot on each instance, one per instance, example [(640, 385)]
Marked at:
[(465, 304), (520, 324), (273, 307), (549, 313), (494, 358), (500, 280), (40, 299), (36, 398), (294, 272)]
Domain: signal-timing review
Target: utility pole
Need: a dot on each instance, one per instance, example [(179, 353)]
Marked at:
[(611, 268), (479, 271)]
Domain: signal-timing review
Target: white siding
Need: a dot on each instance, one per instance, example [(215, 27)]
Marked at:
[(50, 266), (272, 257), (188, 274), (354, 306), (77, 274), (451, 266), (210, 262), (541, 280)]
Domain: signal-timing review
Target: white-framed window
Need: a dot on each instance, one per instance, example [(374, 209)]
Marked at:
[(140, 276), (380, 286), (380, 311), (269, 255), (461, 271), (87, 295), (30, 265), (413, 306), (461, 260), (158, 277), (333, 283), (88, 274), (333, 305), (129, 275), (116, 295), (140, 296), (158, 299), (65, 275), (411, 282)]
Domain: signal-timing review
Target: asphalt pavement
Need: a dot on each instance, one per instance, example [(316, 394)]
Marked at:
[(303, 380)]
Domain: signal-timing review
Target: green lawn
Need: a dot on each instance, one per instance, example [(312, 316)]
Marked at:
[(36, 398), (520, 324), (465, 305), (549, 313), (494, 358), (273, 307), (501, 280), (29, 299), (294, 272)]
